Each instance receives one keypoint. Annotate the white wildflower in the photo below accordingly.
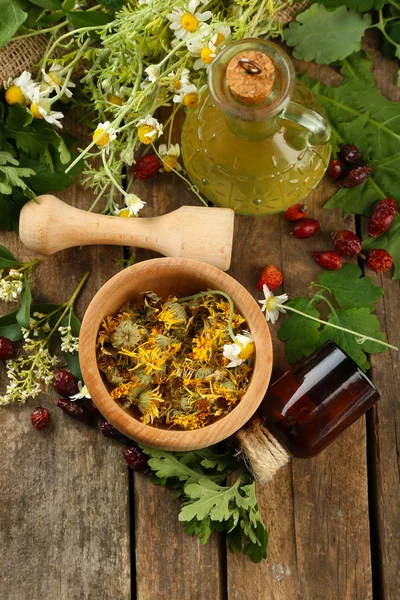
(238, 353)
(69, 343)
(134, 204)
(272, 305)
(185, 21)
(55, 80)
(83, 392)
(169, 156)
(103, 135)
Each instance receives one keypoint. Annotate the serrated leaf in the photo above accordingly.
(326, 36)
(18, 116)
(10, 328)
(300, 334)
(12, 17)
(350, 288)
(7, 259)
(209, 500)
(24, 312)
(389, 241)
(361, 321)
(360, 5)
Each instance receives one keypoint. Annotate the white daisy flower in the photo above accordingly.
(134, 204)
(169, 156)
(55, 80)
(149, 129)
(185, 21)
(43, 111)
(180, 79)
(104, 135)
(188, 95)
(83, 392)
(153, 71)
(206, 47)
(272, 305)
(239, 353)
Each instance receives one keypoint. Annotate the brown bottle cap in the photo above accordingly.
(250, 76)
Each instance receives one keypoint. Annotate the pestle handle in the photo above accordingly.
(49, 225)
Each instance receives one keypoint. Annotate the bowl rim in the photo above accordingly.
(174, 439)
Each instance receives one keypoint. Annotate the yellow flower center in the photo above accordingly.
(247, 351)
(124, 213)
(147, 134)
(101, 137)
(117, 100)
(190, 100)
(271, 303)
(177, 84)
(169, 162)
(219, 39)
(189, 22)
(205, 55)
(14, 95)
(35, 111)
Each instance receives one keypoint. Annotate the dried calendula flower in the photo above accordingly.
(167, 360)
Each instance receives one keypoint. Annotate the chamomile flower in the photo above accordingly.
(18, 90)
(187, 95)
(272, 305)
(169, 156)
(153, 71)
(180, 79)
(42, 110)
(206, 47)
(55, 80)
(149, 129)
(83, 392)
(239, 353)
(185, 21)
(134, 204)
(104, 135)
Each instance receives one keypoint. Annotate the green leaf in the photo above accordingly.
(112, 5)
(389, 241)
(300, 334)
(88, 18)
(361, 321)
(37, 142)
(360, 5)
(7, 259)
(50, 4)
(72, 359)
(18, 116)
(12, 17)
(350, 288)
(45, 180)
(326, 36)
(24, 312)
(10, 328)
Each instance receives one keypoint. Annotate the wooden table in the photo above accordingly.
(76, 524)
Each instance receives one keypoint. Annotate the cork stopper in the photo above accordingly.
(250, 76)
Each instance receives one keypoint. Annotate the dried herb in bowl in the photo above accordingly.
(178, 361)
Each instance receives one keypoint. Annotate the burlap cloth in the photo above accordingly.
(23, 54)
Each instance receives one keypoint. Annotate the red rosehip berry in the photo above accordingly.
(382, 217)
(92, 408)
(356, 176)
(379, 261)
(305, 228)
(147, 166)
(295, 212)
(65, 384)
(7, 349)
(109, 431)
(347, 243)
(350, 154)
(40, 418)
(135, 458)
(332, 261)
(75, 410)
(271, 277)
(335, 169)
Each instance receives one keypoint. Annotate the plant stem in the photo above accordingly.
(231, 308)
(355, 333)
(76, 293)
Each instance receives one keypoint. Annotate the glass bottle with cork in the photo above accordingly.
(257, 142)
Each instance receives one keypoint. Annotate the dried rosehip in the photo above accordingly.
(295, 212)
(135, 458)
(335, 169)
(356, 176)
(40, 418)
(109, 431)
(65, 384)
(350, 154)
(305, 228)
(147, 166)
(75, 410)
(382, 217)
(347, 243)
(92, 408)
(328, 260)
(7, 349)
(379, 261)
(271, 277)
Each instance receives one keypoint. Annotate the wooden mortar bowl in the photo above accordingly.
(180, 277)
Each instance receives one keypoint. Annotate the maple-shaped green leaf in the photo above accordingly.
(350, 288)
(326, 35)
(360, 5)
(361, 321)
(300, 334)
(389, 241)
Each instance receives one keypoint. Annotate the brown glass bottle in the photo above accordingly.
(317, 399)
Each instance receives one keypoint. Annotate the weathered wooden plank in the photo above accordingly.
(316, 510)
(169, 563)
(64, 506)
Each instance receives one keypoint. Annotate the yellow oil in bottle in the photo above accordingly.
(252, 176)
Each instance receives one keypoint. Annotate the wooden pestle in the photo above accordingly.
(49, 225)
